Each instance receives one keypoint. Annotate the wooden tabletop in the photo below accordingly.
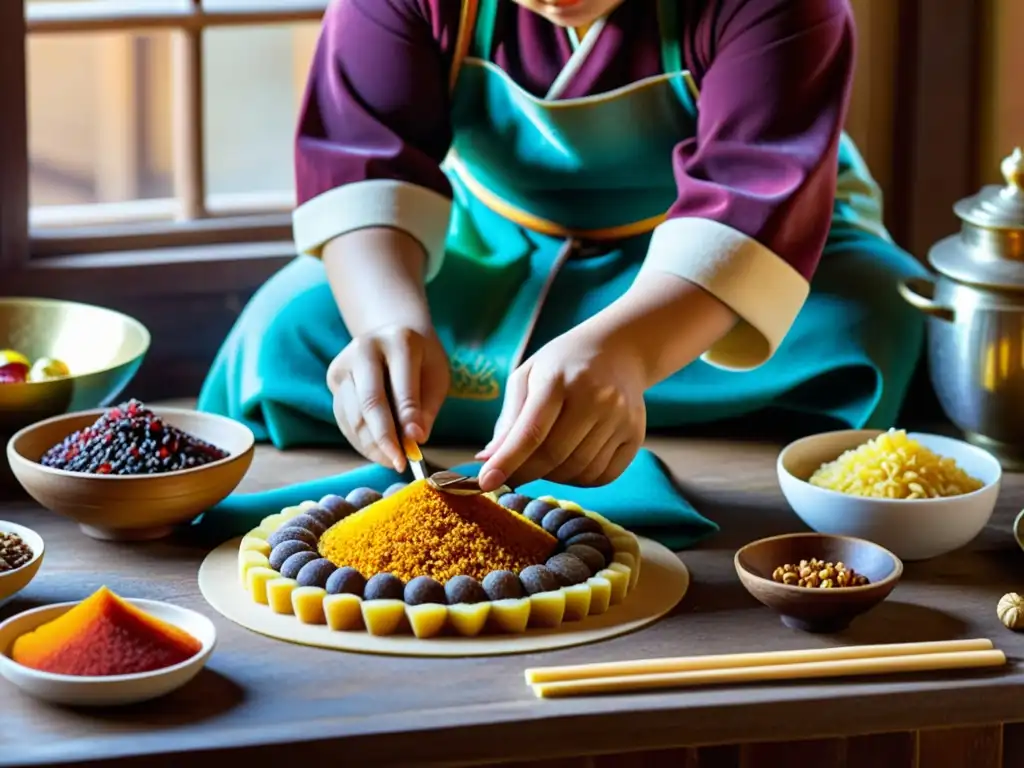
(273, 702)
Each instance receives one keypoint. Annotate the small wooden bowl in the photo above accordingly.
(12, 582)
(131, 508)
(817, 610)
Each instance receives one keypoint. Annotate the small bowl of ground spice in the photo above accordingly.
(817, 582)
(21, 555)
(131, 473)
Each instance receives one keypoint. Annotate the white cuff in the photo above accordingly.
(762, 289)
(413, 209)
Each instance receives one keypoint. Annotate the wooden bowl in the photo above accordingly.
(103, 349)
(817, 610)
(131, 508)
(12, 582)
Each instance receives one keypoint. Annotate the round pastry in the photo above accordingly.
(429, 561)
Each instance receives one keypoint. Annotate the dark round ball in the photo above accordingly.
(346, 581)
(393, 489)
(315, 573)
(309, 523)
(568, 569)
(537, 578)
(595, 560)
(465, 589)
(556, 518)
(598, 541)
(291, 567)
(282, 535)
(323, 516)
(423, 590)
(578, 525)
(384, 586)
(337, 506)
(536, 510)
(502, 585)
(363, 497)
(286, 549)
(514, 501)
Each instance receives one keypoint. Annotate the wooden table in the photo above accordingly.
(274, 704)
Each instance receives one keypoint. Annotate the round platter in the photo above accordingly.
(663, 582)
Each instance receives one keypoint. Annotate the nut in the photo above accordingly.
(14, 552)
(818, 574)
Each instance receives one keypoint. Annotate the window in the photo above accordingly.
(152, 124)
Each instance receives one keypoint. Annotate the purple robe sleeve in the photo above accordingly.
(374, 126)
(757, 183)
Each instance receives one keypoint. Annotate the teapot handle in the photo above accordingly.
(919, 292)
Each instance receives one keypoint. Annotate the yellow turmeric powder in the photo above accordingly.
(421, 531)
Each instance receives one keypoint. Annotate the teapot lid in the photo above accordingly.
(998, 207)
(989, 250)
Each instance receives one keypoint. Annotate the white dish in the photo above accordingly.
(913, 529)
(12, 582)
(115, 690)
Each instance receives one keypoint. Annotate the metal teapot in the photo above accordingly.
(975, 307)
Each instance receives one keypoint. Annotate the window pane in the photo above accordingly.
(1003, 127)
(254, 80)
(99, 123)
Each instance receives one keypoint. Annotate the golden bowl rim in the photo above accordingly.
(147, 337)
(232, 456)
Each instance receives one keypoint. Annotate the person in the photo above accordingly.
(549, 225)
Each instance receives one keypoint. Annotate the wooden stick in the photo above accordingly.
(888, 665)
(737, 660)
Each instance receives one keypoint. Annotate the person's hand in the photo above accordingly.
(573, 413)
(415, 366)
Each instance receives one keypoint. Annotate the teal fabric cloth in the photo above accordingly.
(644, 499)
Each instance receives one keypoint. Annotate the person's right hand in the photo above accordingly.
(415, 365)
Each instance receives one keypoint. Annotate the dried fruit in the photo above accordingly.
(465, 589)
(384, 586)
(282, 535)
(556, 518)
(537, 579)
(568, 569)
(578, 525)
(315, 573)
(130, 440)
(363, 497)
(14, 552)
(337, 506)
(346, 581)
(502, 585)
(514, 501)
(291, 567)
(325, 517)
(306, 522)
(818, 574)
(598, 541)
(593, 559)
(536, 510)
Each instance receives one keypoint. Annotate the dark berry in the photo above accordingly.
(465, 589)
(337, 506)
(346, 581)
(514, 501)
(323, 516)
(422, 590)
(537, 578)
(578, 525)
(307, 522)
(292, 534)
(315, 573)
(598, 541)
(556, 518)
(291, 567)
(286, 549)
(384, 586)
(502, 585)
(393, 489)
(130, 440)
(568, 569)
(536, 509)
(363, 497)
(594, 560)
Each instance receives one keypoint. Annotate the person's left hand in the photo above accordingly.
(573, 414)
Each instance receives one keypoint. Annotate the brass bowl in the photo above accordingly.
(132, 507)
(103, 349)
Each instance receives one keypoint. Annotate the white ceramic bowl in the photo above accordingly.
(12, 582)
(913, 529)
(116, 690)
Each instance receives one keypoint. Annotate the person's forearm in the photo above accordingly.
(376, 276)
(667, 322)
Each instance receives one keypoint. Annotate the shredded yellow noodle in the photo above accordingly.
(894, 466)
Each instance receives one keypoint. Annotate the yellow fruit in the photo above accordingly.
(8, 356)
(47, 368)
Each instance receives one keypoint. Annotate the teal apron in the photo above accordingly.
(525, 172)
